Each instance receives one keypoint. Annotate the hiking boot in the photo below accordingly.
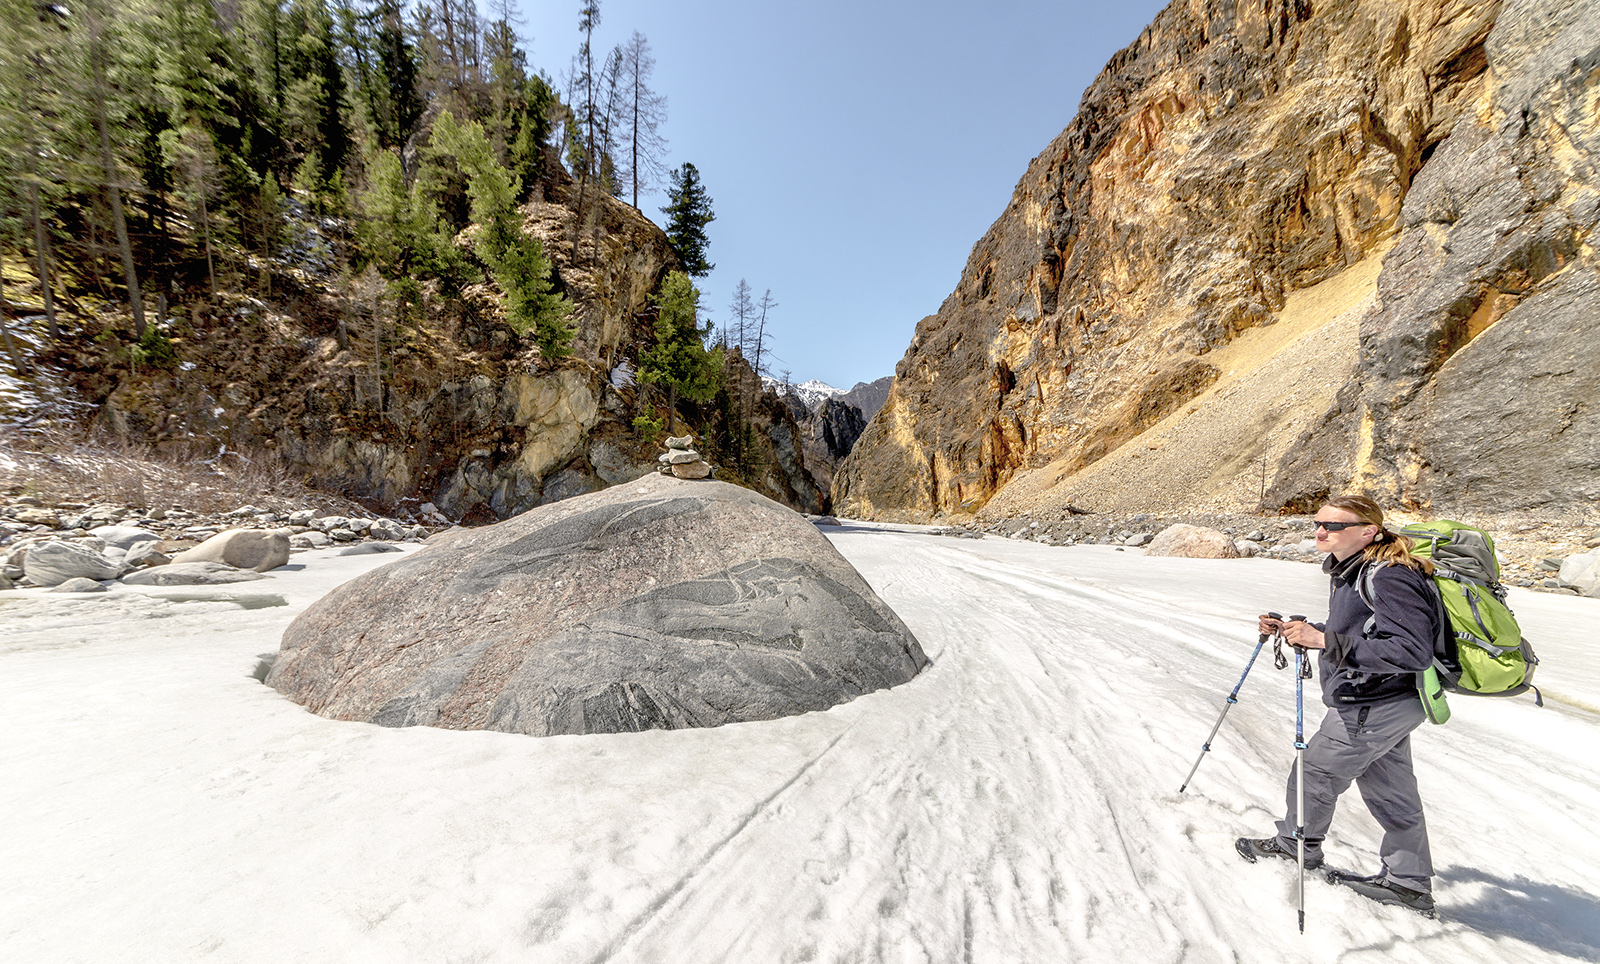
(1250, 848)
(1384, 891)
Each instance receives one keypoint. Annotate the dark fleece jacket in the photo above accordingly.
(1361, 666)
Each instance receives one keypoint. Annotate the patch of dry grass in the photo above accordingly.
(59, 465)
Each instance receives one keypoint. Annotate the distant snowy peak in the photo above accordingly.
(813, 393)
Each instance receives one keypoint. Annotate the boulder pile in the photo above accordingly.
(53, 545)
(660, 604)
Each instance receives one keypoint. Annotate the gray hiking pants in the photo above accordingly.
(1370, 745)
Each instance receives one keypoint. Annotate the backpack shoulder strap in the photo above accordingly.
(1364, 589)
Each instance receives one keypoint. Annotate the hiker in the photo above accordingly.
(1369, 659)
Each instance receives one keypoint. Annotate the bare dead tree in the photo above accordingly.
(645, 111)
(766, 304)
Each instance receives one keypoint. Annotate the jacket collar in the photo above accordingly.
(1344, 571)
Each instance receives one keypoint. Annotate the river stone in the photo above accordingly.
(53, 562)
(38, 517)
(258, 549)
(146, 554)
(368, 548)
(190, 574)
(1582, 572)
(693, 470)
(1192, 542)
(124, 537)
(659, 604)
(79, 584)
(387, 530)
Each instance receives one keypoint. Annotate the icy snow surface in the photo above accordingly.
(1017, 802)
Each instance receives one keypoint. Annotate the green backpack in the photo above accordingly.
(1480, 650)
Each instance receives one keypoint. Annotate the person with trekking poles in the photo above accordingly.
(1369, 659)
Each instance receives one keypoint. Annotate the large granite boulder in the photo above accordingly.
(1192, 542)
(663, 603)
(257, 549)
(53, 562)
(1582, 572)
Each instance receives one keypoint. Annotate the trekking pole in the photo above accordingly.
(1261, 640)
(1300, 769)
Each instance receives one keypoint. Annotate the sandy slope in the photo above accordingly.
(1016, 802)
(1207, 456)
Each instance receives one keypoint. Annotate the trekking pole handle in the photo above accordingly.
(1302, 668)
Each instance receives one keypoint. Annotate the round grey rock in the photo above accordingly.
(387, 530)
(123, 537)
(258, 549)
(1192, 542)
(1582, 572)
(368, 548)
(659, 604)
(53, 562)
(79, 584)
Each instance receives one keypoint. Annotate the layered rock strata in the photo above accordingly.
(1235, 154)
(1479, 371)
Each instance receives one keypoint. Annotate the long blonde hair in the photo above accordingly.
(1387, 546)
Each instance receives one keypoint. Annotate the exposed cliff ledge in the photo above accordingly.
(1232, 156)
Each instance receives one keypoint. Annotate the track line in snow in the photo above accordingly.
(634, 929)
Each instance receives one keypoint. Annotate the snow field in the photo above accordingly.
(1016, 802)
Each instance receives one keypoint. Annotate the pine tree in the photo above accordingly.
(26, 48)
(389, 89)
(679, 359)
(314, 121)
(99, 93)
(688, 212)
(514, 258)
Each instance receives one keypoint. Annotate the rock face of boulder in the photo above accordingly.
(257, 549)
(53, 563)
(123, 537)
(662, 603)
(1192, 542)
(1582, 572)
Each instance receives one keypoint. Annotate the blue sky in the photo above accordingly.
(854, 152)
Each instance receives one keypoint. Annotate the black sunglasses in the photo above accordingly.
(1333, 526)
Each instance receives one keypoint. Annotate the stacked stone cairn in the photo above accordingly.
(683, 461)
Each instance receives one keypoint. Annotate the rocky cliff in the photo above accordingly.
(448, 405)
(827, 432)
(1433, 160)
